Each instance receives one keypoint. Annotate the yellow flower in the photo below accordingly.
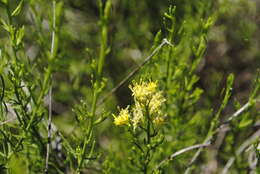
(144, 91)
(122, 118)
(146, 96)
(137, 115)
(156, 102)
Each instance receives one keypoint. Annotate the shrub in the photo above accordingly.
(67, 65)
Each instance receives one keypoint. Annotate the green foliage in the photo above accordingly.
(65, 66)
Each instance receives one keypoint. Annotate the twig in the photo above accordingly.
(3, 90)
(238, 112)
(132, 73)
(234, 115)
(7, 121)
(50, 92)
(195, 156)
(241, 148)
(181, 152)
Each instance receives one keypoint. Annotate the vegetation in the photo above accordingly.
(129, 86)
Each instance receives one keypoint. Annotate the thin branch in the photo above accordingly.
(233, 116)
(170, 158)
(50, 91)
(241, 148)
(238, 112)
(132, 73)
(3, 90)
(195, 156)
(7, 121)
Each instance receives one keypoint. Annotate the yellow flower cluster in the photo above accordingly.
(122, 118)
(156, 103)
(137, 115)
(144, 91)
(145, 95)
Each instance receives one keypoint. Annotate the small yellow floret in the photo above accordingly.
(156, 102)
(123, 117)
(143, 92)
(137, 115)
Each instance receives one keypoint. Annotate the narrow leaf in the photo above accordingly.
(18, 9)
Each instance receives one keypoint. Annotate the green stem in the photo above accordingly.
(83, 154)
(97, 85)
(145, 169)
(103, 49)
(148, 137)
(39, 100)
(148, 128)
(168, 61)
